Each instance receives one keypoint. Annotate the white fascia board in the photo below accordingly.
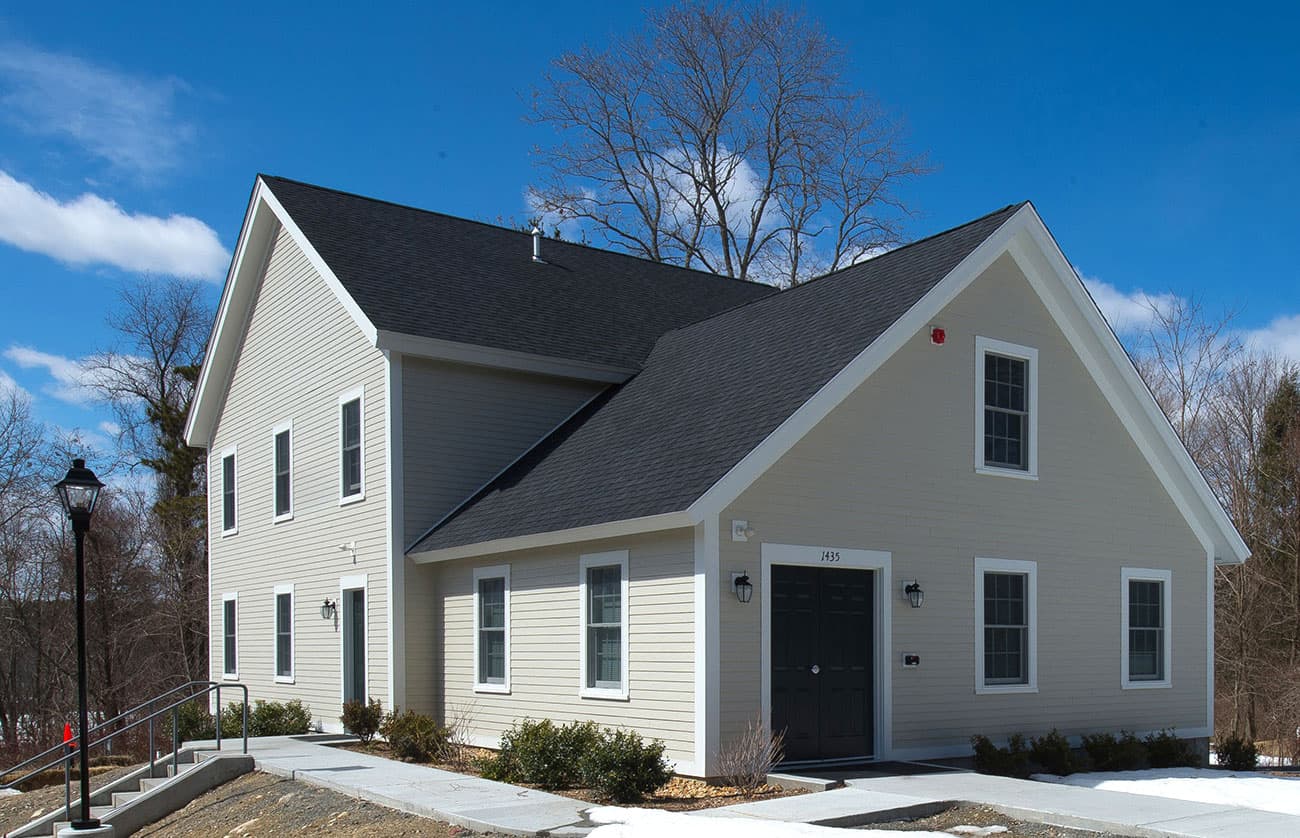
(592, 532)
(1128, 393)
(262, 221)
(855, 373)
(487, 356)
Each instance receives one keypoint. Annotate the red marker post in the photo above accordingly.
(69, 748)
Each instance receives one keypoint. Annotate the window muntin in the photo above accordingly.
(1006, 628)
(1147, 640)
(283, 635)
(603, 591)
(228, 521)
(229, 634)
(283, 473)
(1006, 412)
(350, 455)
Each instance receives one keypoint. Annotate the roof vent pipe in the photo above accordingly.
(537, 245)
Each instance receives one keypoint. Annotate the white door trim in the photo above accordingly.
(848, 559)
(352, 583)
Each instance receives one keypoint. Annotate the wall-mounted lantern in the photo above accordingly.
(743, 587)
(915, 595)
(328, 610)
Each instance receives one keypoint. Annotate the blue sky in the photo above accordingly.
(1161, 145)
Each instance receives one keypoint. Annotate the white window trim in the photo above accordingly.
(276, 430)
(618, 557)
(1145, 574)
(1030, 570)
(494, 572)
(230, 597)
(230, 451)
(293, 634)
(1028, 354)
(355, 394)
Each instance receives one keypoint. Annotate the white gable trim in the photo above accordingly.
(262, 222)
(611, 529)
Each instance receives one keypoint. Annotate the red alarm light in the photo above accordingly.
(938, 336)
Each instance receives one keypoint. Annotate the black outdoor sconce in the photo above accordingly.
(915, 595)
(328, 609)
(744, 588)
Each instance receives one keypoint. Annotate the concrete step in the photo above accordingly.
(120, 797)
(173, 770)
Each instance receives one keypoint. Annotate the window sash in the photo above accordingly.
(1006, 411)
(492, 656)
(228, 492)
(283, 502)
(351, 453)
(605, 627)
(230, 663)
(1146, 632)
(284, 635)
(1006, 628)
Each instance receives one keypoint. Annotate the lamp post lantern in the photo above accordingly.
(79, 490)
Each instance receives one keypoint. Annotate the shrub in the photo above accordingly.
(267, 718)
(414, 736)
(459, 721)
(193, 721)
(545, 755)
(1011, 761)
(232, 721)
(362, 719)
(1127, 753)
(624, 768)
(745, 761)
(1236, 753)
(1166, 750)
(1053, 753)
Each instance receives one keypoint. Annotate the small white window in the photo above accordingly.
(229, 522)
(492, 629)
(1147, 642)
(282, 469)
(352, 485)
(1006, 633)
(284, 634)
(603, 587)
(1006, 408)
(229, 636)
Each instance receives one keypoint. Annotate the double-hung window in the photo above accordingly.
(1006, 409)
(282, 461)
(603, 587)
(229, 523)
(351, 462)
(1006, 594)
(284, 634)
(492, 629)
(229, 634)
(1146, 641)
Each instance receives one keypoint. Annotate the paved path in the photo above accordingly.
(471, 802)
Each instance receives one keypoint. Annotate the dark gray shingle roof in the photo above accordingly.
(708, 394)
(424, 273)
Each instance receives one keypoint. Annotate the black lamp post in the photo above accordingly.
(78, 491)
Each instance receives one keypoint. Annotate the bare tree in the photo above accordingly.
(723, 137)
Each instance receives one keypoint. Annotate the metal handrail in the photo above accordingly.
(174, 707)
(96, 728)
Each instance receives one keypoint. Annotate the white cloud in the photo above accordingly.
(1280, 336)
(1126, 312)
(71, 378)
(126, 120)
(8, 386)
(110, 428)
(91, 230)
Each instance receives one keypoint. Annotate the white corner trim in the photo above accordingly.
(357, 394)
(1210, 570)
(395, 577)
(488, 356)
(230, 451)
(279, 590)
(586, 562)
(232, 596)
(1030, 570)
(277, 429)
(612, 529)
(501, 571)
(708, 705)
(1028, 354)
(848, 379)
(1145, 574)
(879, 561)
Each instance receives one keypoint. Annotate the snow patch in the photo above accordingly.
(1202, 785)
(617, 822)
(979, 831)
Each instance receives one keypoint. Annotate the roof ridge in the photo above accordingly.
(502, 227)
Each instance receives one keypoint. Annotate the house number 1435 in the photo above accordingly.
(830, 555)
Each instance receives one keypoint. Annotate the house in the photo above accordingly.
(488, 476)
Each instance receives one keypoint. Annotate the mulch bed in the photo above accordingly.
(986, 816)
(680, 794)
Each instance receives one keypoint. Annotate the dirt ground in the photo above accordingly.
(18, 809)
(258, 804)
(985, 816)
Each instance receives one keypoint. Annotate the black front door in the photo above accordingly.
(822, 661)
(354, 645)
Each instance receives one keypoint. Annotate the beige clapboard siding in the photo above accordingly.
(892, 469)
(463, 424)
(545, 637)
(301, 351)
